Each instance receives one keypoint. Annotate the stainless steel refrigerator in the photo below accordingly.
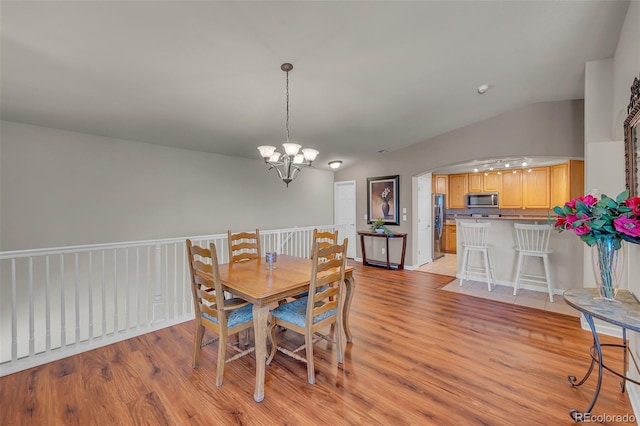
(438, 226)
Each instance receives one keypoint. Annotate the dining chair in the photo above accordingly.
(318, 310)
(244, 246)
(212, 311)
(324, 239)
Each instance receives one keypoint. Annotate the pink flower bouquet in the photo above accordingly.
(594, 219)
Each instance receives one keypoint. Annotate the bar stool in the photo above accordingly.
(533, 240)
(474, 239)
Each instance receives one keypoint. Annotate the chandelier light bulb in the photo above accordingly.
(291, 149)
(310, 154)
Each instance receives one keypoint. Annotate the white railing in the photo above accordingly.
(62, 301)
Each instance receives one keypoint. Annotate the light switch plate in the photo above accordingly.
(404, 217)
(404, 210)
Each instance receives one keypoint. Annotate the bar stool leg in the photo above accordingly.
(516, 285)
(493, 277)
(545, 260)
(487, 270)
(465, 260)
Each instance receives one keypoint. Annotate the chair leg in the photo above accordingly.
(545, 261)
(465, 259)
(271, 332)
(197, 344)
(516, 285)
(222, 354)
(338, 329)
(487, 270)
(308, 341)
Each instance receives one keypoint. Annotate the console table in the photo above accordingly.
(623, 312)
(388, 264)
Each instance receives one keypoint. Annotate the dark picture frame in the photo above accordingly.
(631, 129)
(383, 199)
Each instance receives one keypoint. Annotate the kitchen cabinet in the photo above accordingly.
(457, 190)
(511, 193)
(536, 188)
(440, 185)
(483, 182)
(475, 182)
(491, 182)
(567, 182)
(450, 239)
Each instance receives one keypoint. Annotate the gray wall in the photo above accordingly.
(62, 188)
(542, 129)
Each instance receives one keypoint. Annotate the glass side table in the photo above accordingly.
(624, 313)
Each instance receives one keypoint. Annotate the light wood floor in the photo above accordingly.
(420, 356)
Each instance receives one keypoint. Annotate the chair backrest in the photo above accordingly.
(206, 288)
(532, 237)
(244, 246)
(325, 288)
(324, 240)
(475, 234)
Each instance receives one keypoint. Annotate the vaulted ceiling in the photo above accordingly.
(367, 75)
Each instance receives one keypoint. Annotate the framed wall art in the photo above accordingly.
(631, 130)
(383, 199)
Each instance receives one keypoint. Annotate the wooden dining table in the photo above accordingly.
(254, 282)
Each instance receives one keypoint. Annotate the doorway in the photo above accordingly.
(344, 212)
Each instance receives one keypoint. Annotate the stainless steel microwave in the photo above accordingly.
(481, 199)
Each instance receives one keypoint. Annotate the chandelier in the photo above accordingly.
(288, 164)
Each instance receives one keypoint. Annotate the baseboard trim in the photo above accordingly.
(634, 398)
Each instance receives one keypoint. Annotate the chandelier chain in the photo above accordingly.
(287, 125)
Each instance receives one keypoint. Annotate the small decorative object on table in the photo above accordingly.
(271, 257)
(378, 226)
(603, 222)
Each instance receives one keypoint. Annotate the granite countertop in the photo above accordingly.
(452, 220)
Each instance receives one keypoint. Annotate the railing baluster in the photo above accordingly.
(31, 310)
(127, 302)
(103, 289)
(47, 301)
(77, 290)
(63, 316)
(175, 280)
(116, 328)
(147, 292)
(138, 285)
(14, 314)
(90, 284)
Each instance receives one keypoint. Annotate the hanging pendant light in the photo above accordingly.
(289, 163)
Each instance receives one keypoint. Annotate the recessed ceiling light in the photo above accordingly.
(524, 164)
(475, 170)
(335, 164)
(507, 165)
(382, 151)
(482, 89)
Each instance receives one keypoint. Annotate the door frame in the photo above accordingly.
(350, 233)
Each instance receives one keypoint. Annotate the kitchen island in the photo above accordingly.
(566, 261)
